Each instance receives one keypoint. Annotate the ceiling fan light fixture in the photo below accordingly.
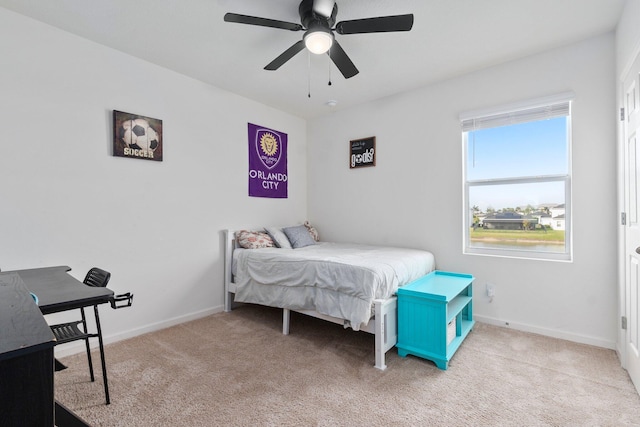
(318, 41)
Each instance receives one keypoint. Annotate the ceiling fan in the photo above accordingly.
(317, 19)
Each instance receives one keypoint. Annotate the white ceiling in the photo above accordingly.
(449, 38)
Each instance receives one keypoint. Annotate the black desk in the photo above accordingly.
(26, 358)
(58, 291)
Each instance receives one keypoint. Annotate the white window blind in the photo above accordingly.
(540, 109)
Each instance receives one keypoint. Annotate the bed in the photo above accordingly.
(349, 284)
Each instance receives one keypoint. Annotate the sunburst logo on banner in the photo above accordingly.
(269, 144)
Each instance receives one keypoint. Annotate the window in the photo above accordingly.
(517, 180)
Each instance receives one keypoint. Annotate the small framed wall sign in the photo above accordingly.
(362, 152)
(136, 136)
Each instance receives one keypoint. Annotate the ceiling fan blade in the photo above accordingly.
(342, 61)
(263, 22)
(285, 56)
(323, 7)
(381, 24)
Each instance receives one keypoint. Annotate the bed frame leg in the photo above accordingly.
(286, 316)
(380, 340)
(228, 276)
(386, 330)
(227, 301)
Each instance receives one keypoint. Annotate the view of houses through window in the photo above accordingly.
(529, 228)
(517, 183)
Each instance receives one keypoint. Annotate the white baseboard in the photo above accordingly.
(582, 339)
(78, 346)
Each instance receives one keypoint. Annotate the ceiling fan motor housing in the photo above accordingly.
(311, 20)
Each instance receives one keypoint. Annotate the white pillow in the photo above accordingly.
(278, 237)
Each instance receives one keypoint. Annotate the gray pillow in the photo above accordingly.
(278, 237)
(299, 236)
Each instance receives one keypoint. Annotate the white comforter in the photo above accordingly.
(339, 280)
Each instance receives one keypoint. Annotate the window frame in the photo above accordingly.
(515, 110)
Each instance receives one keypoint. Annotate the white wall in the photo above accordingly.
(157, 226)
(413, 196)
(627, 36)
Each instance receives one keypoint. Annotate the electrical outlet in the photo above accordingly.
(491, 290)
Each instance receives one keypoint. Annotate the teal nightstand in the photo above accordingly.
(435, 314)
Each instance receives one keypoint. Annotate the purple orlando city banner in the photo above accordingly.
(267, 162)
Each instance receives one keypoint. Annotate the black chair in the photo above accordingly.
(68, 332)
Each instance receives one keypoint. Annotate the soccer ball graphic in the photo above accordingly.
(138, 134)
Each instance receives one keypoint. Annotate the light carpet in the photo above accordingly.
(238, 369)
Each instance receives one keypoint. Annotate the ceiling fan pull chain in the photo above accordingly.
(309, 74)
(329, 62)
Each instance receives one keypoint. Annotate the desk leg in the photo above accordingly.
(104, 364)
(66, 418)
(58, 365)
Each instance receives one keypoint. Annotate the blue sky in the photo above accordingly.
(526, 149)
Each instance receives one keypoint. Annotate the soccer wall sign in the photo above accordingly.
(136, 136)
(267, 162)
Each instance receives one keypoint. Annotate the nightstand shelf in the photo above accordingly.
(435, 314)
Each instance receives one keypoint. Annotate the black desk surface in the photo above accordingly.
(58, 291)
(22, 328)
